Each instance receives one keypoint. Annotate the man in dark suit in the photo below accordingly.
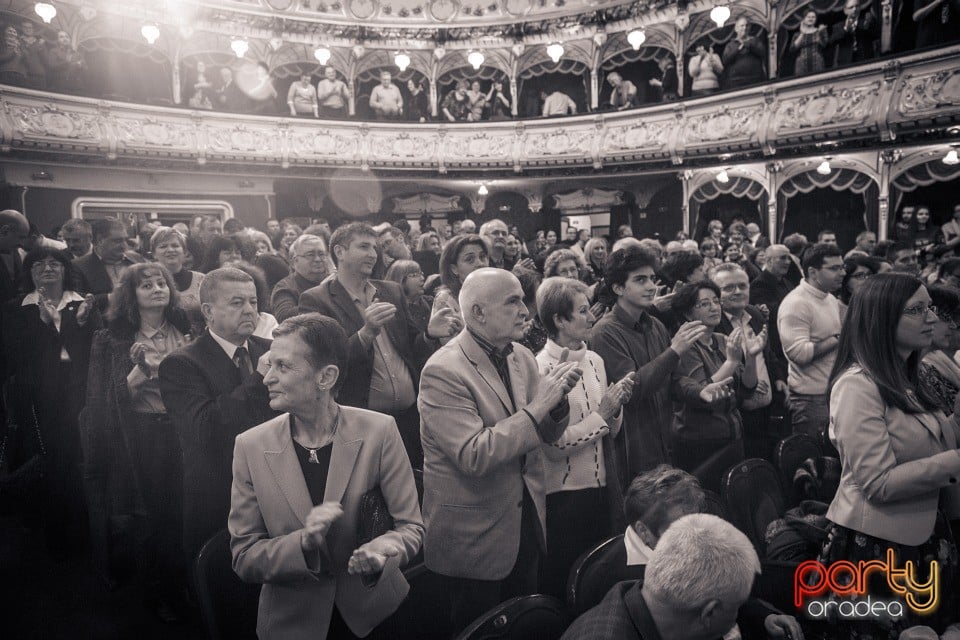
(101, 269)
(769, 289)
(385, 349)
(308, 268)
(696, 581)
(213, 390)
(13, 233)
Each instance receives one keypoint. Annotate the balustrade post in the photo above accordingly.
(888, 158)
(514, 98)
(352, 98)
(685, 179)
(772, 66)
(176, 77)
(433, 98)
(681, 66)
(772, 169)
(594, 89)
(886, 26)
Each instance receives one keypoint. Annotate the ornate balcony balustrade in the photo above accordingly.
(872, 104)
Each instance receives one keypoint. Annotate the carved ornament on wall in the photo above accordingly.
(635, 137)
(829, 106)
(725, 124)
(929, 91)
(50, 122)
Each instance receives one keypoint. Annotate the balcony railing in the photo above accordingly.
(873, 103)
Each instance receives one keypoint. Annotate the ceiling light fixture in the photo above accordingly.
(358, 51)
(439, 52)
(555, 51)
(239, 47)
(482, 190)
(150, 32)
(723, 177)
(476, 58)
(636, 38)
(951, 158)
(402, 61)
(46, 11)
(824, 169)
(322, 54)
(720, 14)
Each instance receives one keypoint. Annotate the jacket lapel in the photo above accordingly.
(222, 370)
(344, 302)
(484, 367)
(346, 448)
(517, 380)
(283, 463)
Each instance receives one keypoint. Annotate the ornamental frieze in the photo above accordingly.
(921, 94)
(827, 107)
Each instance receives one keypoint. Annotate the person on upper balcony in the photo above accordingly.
(228, 96)
(263, 93)
(855, 38)
(302, 97)
(332, 95)
(477, 100)
(624, 94)
(557, 104)
(938, 21)
(744, 58)
(456, 104)
(386, 102)
(808, 44)
(705, 69)
(498, 102)
(668, 82)
(198, 88)
(64, 65)
(419, 110)
(13, 66)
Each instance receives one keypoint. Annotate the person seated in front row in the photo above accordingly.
(697, 579)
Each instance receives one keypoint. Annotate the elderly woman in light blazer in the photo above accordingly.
(298, 482)
(898, 452)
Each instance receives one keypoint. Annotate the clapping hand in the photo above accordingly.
(526, 263)
(559, 380)
(319, 521)
(782, 626)
(756, 344)
(138, 355)
(765, 311)
(48, 311)
(616, 395)
(735, 348)
(445, 322)
(83, 311)
(716, 391)
(366, 560)
(686, 335)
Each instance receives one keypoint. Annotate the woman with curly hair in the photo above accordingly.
(132, 463)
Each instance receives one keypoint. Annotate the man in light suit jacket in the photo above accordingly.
(483, 409)
(213, 390)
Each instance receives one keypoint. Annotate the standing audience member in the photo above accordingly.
(668, 82)
(696, 580)
(808, 45)
(856, 269)
(101, 268)
(477, 101)
(299, 481)
(898, 453)
(221, 251)
(809, 326)
(629, 339)
(623, 94)
(705, 68)
(484, 409)
(499, 102)
(308, 268)
(866, 242)
(409, 276)
(950, 233)
(13, 234)
(563, 263)
(125, 411)
(290, 233)
(332, 94)
(855, 38)
(266, 323)
(169, 248)
(419, 110)
(462, 255)
(64, 65)
(513, 252)
(903, 257)
(456, 106)
(595, 253)
(393, 246)
(78, 234)
(558, 104)
(939, 372)
(578, 500)
(385, 350)
(744, 58)
(302, 97)
(212, 390)
(46, 346)
(386, 102)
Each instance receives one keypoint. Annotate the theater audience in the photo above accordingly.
(668, 83)
(808, 45)
(484, 408)
(266, 322)
(744, 58)
(308, 268)
(393, 246)
(290, 233)
(13, 233)
(856, 269)
(808, 322)
(866, 242)
(595, 254)
(101, 269)
(623, 94)
(78, 235)
(705, 68)
(939, 372)
(385, 349)
(898, 453)
(409, 276)
(46, 345)
(462, 255)
(332, 94)
(213, 389)
(168, 248)
(386, 102)
(64, 65)
(302, 97)
(133, 453)
(298, 484)
(563, 263)
(221, 251)
(419, 110)
(494, 233)
(512, 252)
(855, 37)
(578, 502)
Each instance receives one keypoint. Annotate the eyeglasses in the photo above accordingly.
(863, 275)
(42, 266)
(415, 274)
(313, 255)
(706, 304)
(921, 309)
(736, 286)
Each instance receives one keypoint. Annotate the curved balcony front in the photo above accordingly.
(915, 99)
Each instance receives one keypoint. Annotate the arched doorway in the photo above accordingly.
(739, 198)
(844, 201)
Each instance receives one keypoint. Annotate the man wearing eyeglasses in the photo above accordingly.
(809, 324)
(309, 265)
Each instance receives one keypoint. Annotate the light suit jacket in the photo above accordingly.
(475, 446)
(270, 503)
(895, 466)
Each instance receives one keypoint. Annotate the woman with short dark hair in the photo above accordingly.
(461, 256)
(222, 251)
(409, 275)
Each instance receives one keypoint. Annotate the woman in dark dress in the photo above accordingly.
(47, 335)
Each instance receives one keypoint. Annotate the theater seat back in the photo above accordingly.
(227, 603)
(536, 617)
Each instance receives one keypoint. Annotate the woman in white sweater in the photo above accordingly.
(576, 471)
(705, 69)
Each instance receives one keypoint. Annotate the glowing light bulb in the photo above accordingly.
(824, 169)
(951, 158)
(636, 38)
(720, 14)
(402, 61)
(475, 59)
(555, 51)
(322, 54)
(150, 32)
(723, 177)
(240, 47)
(46, 11)
(482, 190)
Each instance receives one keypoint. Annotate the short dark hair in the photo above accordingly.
(679, 266)
(72, 280)
(824, 232)
(946, 300)
(620, 264)
(950, 266)
(893, 249)
(345, 234)
(796, 243)
(79, 225)
(233, 225)
(652, 492)
(815, 255)
(850, 265)
(685, 297)
(211, 257)
(450, 255)
(325, 340)
(103, 227)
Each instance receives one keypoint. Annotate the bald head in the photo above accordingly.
(491, 301)
(13, 229)
(778, 260)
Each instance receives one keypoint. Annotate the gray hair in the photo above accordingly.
(302, 240)
(652, 245)
(725, 267)
(555, 298)
(701, 558)
(554, 259)
(212, 281)
(79, 225)
(625, 243)
(652, 492)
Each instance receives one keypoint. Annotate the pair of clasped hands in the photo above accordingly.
(444, 323)
(563, 376)
(367, 559)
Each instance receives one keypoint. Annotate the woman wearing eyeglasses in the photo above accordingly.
(409, 276)
(897, 450)
(856, 269)
(709, 437)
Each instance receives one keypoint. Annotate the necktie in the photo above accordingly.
(241, 358)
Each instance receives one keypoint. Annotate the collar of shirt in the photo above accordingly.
(637, 551)
(743, 321)
(813, 291)
(489, 348)
(150, 333)
(640, 324)
(363, 297)
(229, 348)
(68, 297)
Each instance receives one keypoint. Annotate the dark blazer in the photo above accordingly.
(776, 366)
(285, 299)
(210, 402)
(766, 289)
(622, 615)
(331, 299)
(10, 282)
(96, 280)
